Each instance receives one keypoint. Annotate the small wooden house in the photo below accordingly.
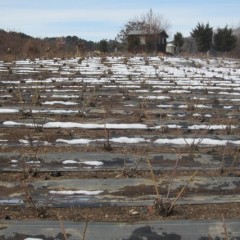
(142, 40)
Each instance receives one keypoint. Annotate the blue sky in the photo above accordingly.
(103, 19)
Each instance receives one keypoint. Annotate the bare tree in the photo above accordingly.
(151, 23)
(155, 22)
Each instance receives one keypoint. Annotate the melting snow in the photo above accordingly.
(6, 110)
(93, 163)
(14, 161)
(59, 102)
(69, 162)
(94, 125)
(154, 97)
(214, 127)
(72, 192)
(164, 106)
(127, 140)
(33, 238)
(110, 126)
(27, 142)
(196, 105)
(74, 141)
(189, 141)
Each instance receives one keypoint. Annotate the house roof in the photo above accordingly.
(145, 32)
(170, 45)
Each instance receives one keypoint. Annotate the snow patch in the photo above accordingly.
(78, 192)
(93, 163)
(59, 102)
(127, 140)
(33, 238)
(74, 141)
(69, 162)
(6, 110)
(196, 141)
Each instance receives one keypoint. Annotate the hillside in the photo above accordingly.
(24, 46)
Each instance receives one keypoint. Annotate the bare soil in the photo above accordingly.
(122, 214)
(111, 105)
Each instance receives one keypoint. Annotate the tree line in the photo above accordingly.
(222, 40)
(17, 45)
(202, 39)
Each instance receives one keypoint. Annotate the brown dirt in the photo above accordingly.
(18, 176)
(115, 213)
(120, 214)
(149, 115)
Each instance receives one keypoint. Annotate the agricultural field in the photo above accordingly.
(91, 143)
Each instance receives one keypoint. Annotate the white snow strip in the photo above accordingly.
(12, 123)
(164, 106)
(6, 96)
(130, 105)
(139, 91)
(127, 140)
(154, 97)
(179, 91)
(23, 141)
(116, 140)
(196, 105)
(94, 125)
(55, 111)
(6, 110)
(72, 192)
(34, 162)
(64, 96)
(74, 141)
(229, 93)
(197, 115)
(59, 102)
(69, 162)
(196, 98)
(81, 125)
(14, 161)
(168, 126)
(33, 238)
(214, 127)
(196, 141)
(172, 126)
(93, 163)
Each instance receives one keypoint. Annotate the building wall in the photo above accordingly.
(170, 49)
(142, 43)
